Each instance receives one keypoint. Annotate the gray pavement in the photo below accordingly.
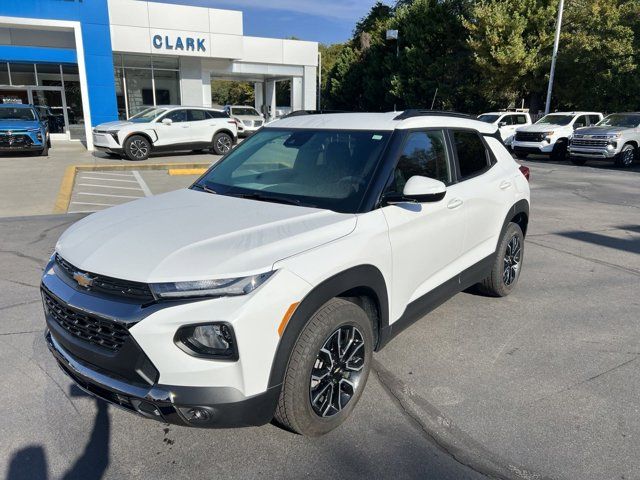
(541, 384)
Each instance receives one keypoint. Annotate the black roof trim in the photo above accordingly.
(416, 112)
(298, 113)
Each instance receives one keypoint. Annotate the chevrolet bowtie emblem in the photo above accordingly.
(83, 279)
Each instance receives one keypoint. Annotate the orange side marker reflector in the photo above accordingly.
(287, 317)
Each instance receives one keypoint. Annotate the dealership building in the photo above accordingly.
(94, 61)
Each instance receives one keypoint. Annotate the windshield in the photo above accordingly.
(554, 119)
(328, 169)
(246, 111)
(17, 113)
(147, 115)
(620, 120)
(487, 118)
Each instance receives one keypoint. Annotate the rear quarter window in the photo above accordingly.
(472, 155)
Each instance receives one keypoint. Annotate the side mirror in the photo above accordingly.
(419, 190)
(167, 121)
(502, 124)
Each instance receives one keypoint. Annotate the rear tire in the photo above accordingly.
(137, 147)
(327, 369)
(626, 156)
(507, 265)
(578, 161)
(222, 143)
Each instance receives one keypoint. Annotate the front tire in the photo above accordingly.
(626, 156)
(222, 143)
(327, 369)
(45, 151)
(559, 153)
(507, 265)
(137, 147)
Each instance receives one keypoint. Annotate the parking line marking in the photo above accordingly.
(186, 171)
(108, 179)
(109, 173)
(108, 186)
(142, 183)
(96, 204)
(108, 195)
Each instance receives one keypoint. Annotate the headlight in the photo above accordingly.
(549, 134)
(612, 136)
(211, 340)
(210, 288)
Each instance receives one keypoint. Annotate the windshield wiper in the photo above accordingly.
(266, 198)
(205, 188)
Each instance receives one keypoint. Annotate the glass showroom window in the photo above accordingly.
(142, 82)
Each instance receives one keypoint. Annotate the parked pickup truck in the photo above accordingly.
(507, 122)
(616, 138)
(550, 135)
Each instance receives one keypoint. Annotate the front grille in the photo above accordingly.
(583, 142)
(108, 285)
(14, 140)
(97, 331)
(257, 123)
(529, 137)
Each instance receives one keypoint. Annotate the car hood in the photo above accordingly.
(252, 118)
(541, 128)
(115, 125)
(599, 130)
(18, 124)
(192, 235)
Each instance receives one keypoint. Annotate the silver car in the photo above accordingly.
(616, 137)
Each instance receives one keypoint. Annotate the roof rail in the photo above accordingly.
(298, 113)
(416, 112)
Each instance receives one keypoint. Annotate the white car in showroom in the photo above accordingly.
(507, 122)
(167, 128)
(263, 290)
(550, 135)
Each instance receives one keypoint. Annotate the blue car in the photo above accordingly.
(22, 130)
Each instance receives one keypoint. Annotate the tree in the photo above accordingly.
(511, 43)
(225, 92)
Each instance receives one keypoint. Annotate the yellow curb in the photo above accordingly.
(66, 187)
(186, 171)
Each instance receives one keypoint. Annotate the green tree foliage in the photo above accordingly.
(225, 92)
(483, 54)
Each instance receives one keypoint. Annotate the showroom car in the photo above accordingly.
(167, 129)
(263, 290)
(22, 130)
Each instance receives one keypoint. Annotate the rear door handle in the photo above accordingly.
(454, 203)
(504, 185)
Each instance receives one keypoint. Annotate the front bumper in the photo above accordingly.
(23, 141)
(212, 407)
(584, 152)
(106, 142)
(540, 148)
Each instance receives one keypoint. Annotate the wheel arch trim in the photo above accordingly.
(359, 277)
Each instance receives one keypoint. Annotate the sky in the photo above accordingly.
(325, 21)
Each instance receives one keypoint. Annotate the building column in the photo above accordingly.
(206, 88)
(296, 94)
(270, 100)
(258, 93)
(309, 89)
(191, 77)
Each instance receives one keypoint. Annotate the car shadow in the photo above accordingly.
(30, 463)
(631, 245)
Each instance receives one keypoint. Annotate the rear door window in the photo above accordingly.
(197, 115)
(472, 155)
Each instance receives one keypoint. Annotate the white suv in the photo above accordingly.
(167, 128)
(263, 290)
(550, 135)
(507, 122)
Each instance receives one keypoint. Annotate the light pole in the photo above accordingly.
(556, 44)
(393, 35)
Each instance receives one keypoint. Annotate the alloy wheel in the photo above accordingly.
(627, 156)
(335, 375)
(224, 144)
(512, 258)
(139, 149)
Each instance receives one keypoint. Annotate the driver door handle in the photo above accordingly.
(454, 203)
(504, 185)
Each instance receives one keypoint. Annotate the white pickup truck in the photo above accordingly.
(507, 122)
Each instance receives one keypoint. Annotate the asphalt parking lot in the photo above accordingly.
(541, 384)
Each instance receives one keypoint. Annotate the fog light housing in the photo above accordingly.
(612, 145)
(212, 340)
